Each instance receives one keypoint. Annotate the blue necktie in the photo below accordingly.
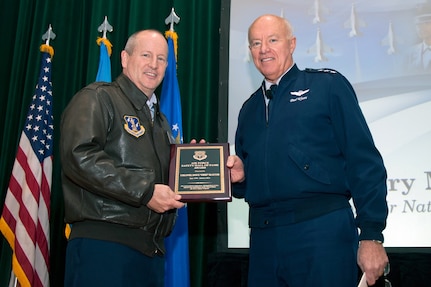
(152, 112)
(151, 107)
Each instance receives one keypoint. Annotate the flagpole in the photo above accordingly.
(177, 270)
(13, 280)
(104, 70)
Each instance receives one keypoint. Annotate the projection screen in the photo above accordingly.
(371, 43)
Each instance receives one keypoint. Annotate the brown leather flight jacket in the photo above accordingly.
(112, 155)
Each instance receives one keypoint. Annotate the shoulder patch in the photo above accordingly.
(323, 70)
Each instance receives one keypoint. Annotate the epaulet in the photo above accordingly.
(323, 70)
(98, 85)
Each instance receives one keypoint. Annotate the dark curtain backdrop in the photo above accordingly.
(75, 63)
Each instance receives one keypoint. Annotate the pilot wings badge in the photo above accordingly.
(299, 95)
(133, 127)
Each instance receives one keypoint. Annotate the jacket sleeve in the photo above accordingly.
(84, 131)
(366, 174)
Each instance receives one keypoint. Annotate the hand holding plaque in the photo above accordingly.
(198, 172)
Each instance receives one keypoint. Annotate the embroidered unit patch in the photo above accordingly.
(133, 127)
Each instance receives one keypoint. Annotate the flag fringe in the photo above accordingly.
(7, 232)
(174, 36)
(48, 49)
(16, 267)
(105, 41)
(67, 231)
(19, 272)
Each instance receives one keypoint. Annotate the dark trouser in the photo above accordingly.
(95, 263)
(317, 252)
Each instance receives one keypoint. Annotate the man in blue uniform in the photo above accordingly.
(303, 150)
(420, 54)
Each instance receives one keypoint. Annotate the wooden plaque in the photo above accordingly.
(198, 172)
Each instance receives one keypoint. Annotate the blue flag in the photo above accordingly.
(104, 72)
(177, 270)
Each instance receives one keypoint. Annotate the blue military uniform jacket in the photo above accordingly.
(312, 155)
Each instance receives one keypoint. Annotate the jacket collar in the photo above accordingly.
(135, 95)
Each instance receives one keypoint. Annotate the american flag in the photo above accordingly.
(25, 217)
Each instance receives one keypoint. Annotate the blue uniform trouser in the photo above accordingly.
(317, 252)
(93, 263)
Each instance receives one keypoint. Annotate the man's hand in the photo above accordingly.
(164, 199)
(234, 163)
(193, 141)
(372, 259)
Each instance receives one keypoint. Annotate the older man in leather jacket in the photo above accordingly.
(115, 161)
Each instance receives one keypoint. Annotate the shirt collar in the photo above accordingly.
(425, 47)
(153, 100)
(268, 84)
